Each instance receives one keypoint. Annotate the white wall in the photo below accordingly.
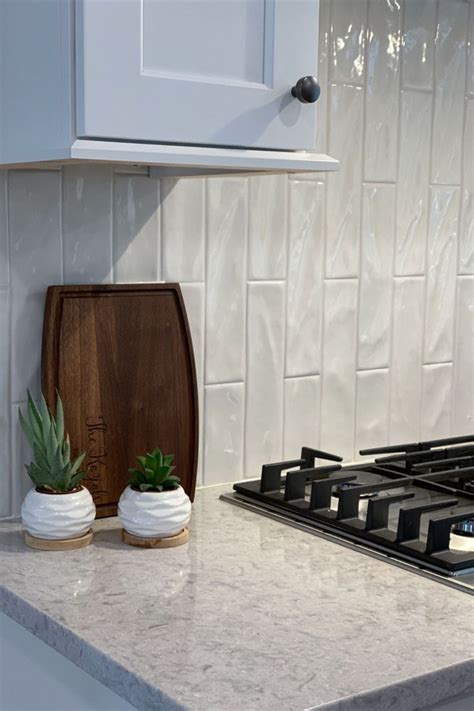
(331, 310)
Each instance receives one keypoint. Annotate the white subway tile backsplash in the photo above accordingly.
(305, 278)
(265, 363)
(302, 409)
(226, 279)
(344, 187)
(268, 223)
(463, 390)
(470, 56)
(382, 91)
(136, 229)
(224, 426)
(376, 275)
(450, 81)
(324, 51)
(183, 222)
(441, 274)
(372, 413)
(407, 349)
(3, 228)
(87, 224)
(35, 263)
(412, 194)
(21, 455)
(348, 39)
(418, 44)
(339, 366)
(436, 404)
(5, 469)
(466, 237)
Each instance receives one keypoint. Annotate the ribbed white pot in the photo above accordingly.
(154, 514)
(58, 516)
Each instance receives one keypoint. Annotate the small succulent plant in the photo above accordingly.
(52, 469)
(154, 473)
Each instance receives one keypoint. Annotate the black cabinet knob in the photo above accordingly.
(306, 90)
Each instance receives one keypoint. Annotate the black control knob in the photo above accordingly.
(306, 90)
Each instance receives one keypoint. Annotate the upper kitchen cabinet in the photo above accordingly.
(187, 86)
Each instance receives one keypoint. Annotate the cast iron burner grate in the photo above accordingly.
(406, 504)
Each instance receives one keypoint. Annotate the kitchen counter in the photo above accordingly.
(251, 615)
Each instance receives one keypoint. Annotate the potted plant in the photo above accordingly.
(57, 508)
(154, 505)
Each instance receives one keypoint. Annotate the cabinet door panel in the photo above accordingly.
(210, 72)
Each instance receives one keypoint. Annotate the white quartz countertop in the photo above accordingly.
(250, 615)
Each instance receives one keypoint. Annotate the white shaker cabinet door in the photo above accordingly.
(209, 72)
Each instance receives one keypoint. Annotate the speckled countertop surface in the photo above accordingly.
(251, 615)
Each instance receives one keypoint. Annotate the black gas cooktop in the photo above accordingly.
(414, 504)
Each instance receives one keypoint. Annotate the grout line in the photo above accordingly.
(205, 198)
(160, 233)
(265, 281)
(303, 376)
(285, 315)
(437, 362)
(246, 337)
(61, 225)
(111, 227)
(9, 444)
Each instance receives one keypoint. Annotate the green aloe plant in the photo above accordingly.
(52, 469)
(154, 473)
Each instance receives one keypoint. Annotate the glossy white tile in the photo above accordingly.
(466, 236)
(225, 279)
(418, 44)
(463, 390)
(224, 426)
(470, 56)
(35, 263)
(3, 228)
(302, 409)
(339, 366)
(87, 224)
(348, 39)
(450, 82)
(412, 194)
(136, 228)
(184, 229)
(344, 187)
(382, 91)
(268, 225)
(376, 275)
(441, 274)
(20, 455)
(305, 278)
(407, 352)
(265, 364)
(372, 413)
(436, 402)
(5, 468)
(324, 51)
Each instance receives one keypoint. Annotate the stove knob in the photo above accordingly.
(306, 90)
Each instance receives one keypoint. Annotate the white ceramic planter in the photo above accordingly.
(58, 516)
(154, 514)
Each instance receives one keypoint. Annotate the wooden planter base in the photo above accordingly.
(70, 544)
(141, 542)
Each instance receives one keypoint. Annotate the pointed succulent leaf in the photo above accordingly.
(66, 449)
(142, 461)
(27, 428)
(146, 487)
(77, 463)
(168, 459)
(59, 418)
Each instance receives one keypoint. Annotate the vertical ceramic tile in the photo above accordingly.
(3, 228)
(264, 392)
(450, 81)
(21, 455)
(418, 44)
(412, 198)
(193, 295)
(382, 91)
(344, 187)
(268, 199)
(376, 269)
(407, 348)
(87, 224)
(323, 69)
(301, 421)
(339, 365)
(372, 412)
(348, 39)
(225, 279)
(466, 237)
(5, 468)
(463, 389)
(441, 274)
(35, 263)
(224, 427)
(470, 56)
(136, 228)
(436, 402)
(305, 278)
(183, 229)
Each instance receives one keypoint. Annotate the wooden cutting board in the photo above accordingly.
(121, 357)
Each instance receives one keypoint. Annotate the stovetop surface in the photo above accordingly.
(414, 504)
